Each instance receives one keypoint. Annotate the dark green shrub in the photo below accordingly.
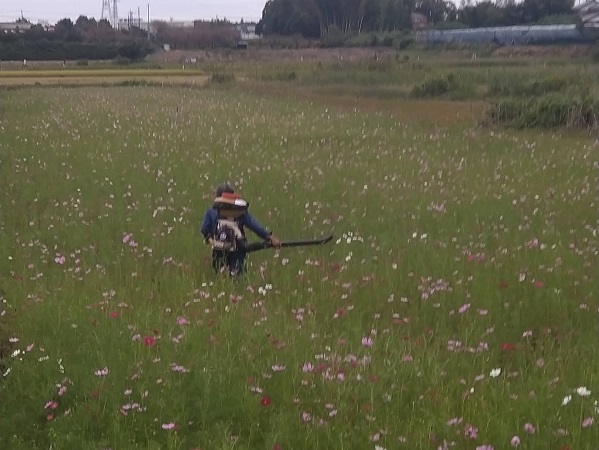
(279, 76)
(405, 43)
(548, 111)
(518, 88)
(222, 77)
(435, 86)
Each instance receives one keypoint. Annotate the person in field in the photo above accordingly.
(223, 229)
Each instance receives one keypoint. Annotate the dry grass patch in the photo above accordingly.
(198, 80)
(97, 73)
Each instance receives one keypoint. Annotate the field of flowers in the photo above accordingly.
(456, 308)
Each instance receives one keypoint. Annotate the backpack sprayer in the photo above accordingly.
(230, 207)
(255, 246)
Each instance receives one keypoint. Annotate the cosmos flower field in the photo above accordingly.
(456, 308)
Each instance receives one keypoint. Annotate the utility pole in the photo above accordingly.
(115, 14)
(138, 18)
(148, 21)
(106, 10)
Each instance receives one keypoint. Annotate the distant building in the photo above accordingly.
(515, 35)
(419, 21)
(247, 31)
(14, 27)
(588, 13)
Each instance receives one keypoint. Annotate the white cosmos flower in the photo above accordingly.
(583, 391)
(495, 373)
(567, 399)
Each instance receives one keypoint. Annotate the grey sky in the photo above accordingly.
(53, 10)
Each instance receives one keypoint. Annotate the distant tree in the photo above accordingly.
(315, 18)
(435, 10)
(103, 23)
(83, 23)
(35, 32)
(65, 30)
(534, 10)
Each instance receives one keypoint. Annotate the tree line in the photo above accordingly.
(316, 18)
(82, 40)
(88, 39)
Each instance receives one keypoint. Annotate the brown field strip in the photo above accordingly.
(428, 112)
(197, 80)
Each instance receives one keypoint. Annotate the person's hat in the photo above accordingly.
(222, 188)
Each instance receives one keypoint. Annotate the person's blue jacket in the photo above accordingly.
(246, 220)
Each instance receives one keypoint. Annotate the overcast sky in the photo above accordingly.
(53, 10)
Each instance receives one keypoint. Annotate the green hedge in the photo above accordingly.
(548, 111)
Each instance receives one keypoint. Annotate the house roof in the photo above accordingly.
(591, 17)
(15, 25)
(589, 6)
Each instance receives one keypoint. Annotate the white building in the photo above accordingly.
(588, 13)
(247, 31)
(14, 27)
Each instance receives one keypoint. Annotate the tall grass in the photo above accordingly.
(456, 308)
(548, 111)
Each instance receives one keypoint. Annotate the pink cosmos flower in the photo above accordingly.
(60, 259)
(307, 367)
(367, 341)
(515, 442)
(464, 308)
(471, 432)
(587, 422)
(529, 428)
(51, 405)
(182, 321)
(169, 426)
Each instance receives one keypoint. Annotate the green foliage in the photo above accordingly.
(559, 19)
(222, 77)
(317, 18)
(455, 25)
(279, 76)
(595, 52)
(314, 18)
(435, 86)
(334, 37)
(547, 111)
(84, 40)
(504, 87)
(391, 39)
(405, 42)
(57, 50)
(134, 50)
